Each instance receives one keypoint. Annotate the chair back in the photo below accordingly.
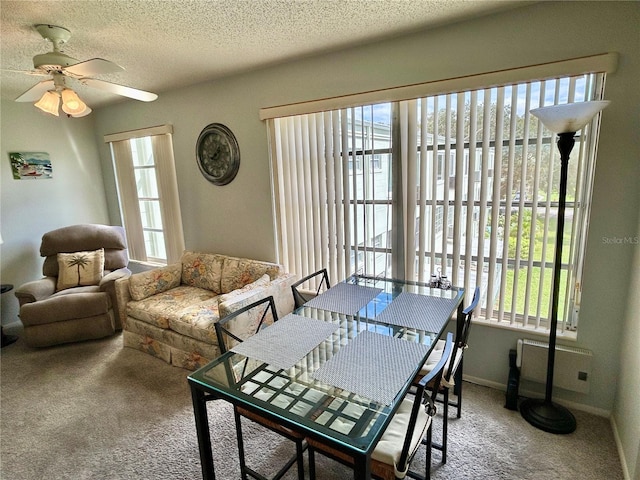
(85, 237)
(462, 336)
(301, 297)
(230, 332)
(424, 398)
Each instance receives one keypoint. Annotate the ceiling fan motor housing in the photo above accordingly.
(53, 61)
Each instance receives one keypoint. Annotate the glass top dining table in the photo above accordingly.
(336, 369)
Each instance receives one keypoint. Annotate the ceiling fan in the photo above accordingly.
(59, 67)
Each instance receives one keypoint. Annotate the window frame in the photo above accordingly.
(440, 205)
(160, 145)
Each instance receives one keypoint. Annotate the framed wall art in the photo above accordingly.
(30, 165)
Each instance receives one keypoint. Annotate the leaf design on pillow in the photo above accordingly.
(78, 261)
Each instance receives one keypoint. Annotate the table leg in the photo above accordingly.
(362, 467)
(204, 436)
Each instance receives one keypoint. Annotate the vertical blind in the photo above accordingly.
(463, 184)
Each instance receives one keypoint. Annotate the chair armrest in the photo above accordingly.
(36, 290)
(123, 296)
(113, 276)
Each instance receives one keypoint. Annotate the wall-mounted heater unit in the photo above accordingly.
(572, 365)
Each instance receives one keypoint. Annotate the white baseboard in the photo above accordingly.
(623, 459)
(526, 393)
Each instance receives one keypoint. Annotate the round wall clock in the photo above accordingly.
(218, 154)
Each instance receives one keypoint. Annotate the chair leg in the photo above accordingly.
(458, 390)
(243, 466)
(427, 473)
(445, 425)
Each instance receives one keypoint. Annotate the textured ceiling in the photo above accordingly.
(165, 44)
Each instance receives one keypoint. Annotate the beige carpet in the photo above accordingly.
(96, 410)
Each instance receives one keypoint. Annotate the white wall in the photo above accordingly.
(30, 208)
(626, 412)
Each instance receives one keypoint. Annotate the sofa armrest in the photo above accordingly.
(121, 286)
(108, 284)
(36, 290)
(279, 288)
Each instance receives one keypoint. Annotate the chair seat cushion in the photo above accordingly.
(389, 447)
(65, 307)
(434, 358)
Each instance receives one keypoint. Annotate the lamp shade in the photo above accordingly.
(84, 113)
(49, 103)
(569, 117)
(71, 103)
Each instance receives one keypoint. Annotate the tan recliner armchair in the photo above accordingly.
(76, 299)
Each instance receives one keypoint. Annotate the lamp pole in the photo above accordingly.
(565, 120)
(543, 413)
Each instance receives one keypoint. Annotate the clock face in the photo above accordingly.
(218, 154)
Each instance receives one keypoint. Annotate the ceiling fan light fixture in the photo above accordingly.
(49, 103)
(72, 105)
(86, 112)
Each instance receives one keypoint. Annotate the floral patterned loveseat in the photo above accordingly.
(170, 312)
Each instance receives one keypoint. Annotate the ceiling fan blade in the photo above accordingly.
(120, 89)
(95, 66)
(35, 92)
(36, 73)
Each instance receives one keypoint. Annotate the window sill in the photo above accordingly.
(567, 335)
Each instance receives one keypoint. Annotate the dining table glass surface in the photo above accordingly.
(359, 362)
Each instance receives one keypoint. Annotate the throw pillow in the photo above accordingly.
(158, 280)
(80, 269)
(261, 282)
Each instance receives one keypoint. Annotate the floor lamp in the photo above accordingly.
(565, 120)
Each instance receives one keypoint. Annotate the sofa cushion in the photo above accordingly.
(198, 321)
(159, 309)
(80, 268)
(238, 272)
(202, 270)
(152, 282)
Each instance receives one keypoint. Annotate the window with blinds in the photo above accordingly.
(464, 184)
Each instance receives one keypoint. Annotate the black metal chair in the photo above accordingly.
(300, 297)
(409, 427)
(226, 340)
(453, 370)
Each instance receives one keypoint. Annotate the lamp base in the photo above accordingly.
(548, 416)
